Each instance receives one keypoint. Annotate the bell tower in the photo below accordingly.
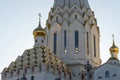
(73, 34)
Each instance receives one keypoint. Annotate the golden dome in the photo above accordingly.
(114, 48)
(39, 31)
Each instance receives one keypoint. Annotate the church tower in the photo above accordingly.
(73, 34)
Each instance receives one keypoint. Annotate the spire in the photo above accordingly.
(70, 3)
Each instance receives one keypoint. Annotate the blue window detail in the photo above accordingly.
(94, 46)
(76, 41)
(65, 38)
(107, 74)
(55, 43)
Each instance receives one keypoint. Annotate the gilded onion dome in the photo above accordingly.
(114, 48)
(39, 31)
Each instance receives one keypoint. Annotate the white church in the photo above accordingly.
(66, 49)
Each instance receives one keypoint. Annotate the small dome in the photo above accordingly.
(114, 48)
(39, 31)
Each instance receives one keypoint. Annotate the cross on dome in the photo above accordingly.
(39, 17)
(113, 37)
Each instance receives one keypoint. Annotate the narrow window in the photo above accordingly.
(55, 43)
(47, 40)
(57, 18)
(87, 35)
(58, 9)
(75, 16)
(83, 77)
(11, 73)
(42, 41)
(24, 77)
(35, 40)
(76, 41)
(32, 77)
(25, 70)
(65, 37)
(107, 74)
(94, 38)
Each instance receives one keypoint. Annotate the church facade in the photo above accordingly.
(67, 49)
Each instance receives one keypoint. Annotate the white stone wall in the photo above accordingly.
(38, 76)
(113, 69)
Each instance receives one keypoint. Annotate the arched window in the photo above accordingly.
(11, 73)
(107, 74)
(83, 77)
(76, 41)
(65, 40)
(35, 40)
(18, 71)
(75, 16)
(42, 41)
(32, 77)
(23, 77)
(87, 36)
(25, 70)
(57, 18)
(55, 43)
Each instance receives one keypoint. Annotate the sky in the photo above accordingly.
(18, 19)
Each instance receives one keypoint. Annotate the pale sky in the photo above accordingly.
(18, 18)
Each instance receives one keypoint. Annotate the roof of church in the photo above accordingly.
(37, 57)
